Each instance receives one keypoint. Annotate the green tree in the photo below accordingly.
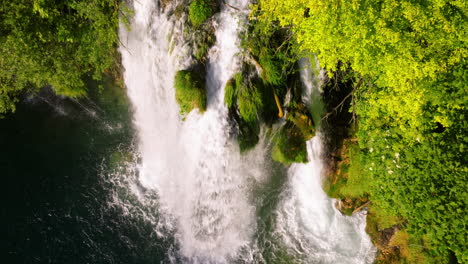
(56, 43)
(411, 107)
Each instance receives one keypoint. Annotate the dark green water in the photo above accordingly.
(55, 158)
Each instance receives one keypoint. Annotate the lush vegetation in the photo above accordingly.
(200, 11)
(55, 43)
(190, 91)
(409, 59)
(254, 99)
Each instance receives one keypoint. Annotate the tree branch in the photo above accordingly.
(340, 105)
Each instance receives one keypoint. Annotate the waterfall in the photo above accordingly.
(197, 170)
(204, 186)
(307, 220)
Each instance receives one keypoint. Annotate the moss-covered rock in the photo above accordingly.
(289, 145)
(190, 91)
(200, 11)
(302, 119)
(245, 96)
(202, 40)
(243, 110)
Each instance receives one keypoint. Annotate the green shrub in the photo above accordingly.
(190, 91)
(199, 12)
(289, 145)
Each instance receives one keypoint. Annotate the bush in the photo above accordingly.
(199, 12)
(190, 92)
(289, 145)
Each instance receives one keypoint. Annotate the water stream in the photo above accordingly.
(308, 221)
(204, 187)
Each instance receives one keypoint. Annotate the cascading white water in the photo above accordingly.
(310, 226)
(203, 183)
(198, 173)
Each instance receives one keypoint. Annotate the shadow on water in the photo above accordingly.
(56, 201)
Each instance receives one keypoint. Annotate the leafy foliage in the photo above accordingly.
(55, 43)
(190, 91)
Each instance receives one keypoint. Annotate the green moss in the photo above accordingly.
(289, 145)
(248, 135)
(237, 97)
(201, 51)
(199, 12)
(230, 94)
(230, 91)
(203, 40)
(333, 188)
(190, 91)
(271, 73)
(383, 218)
(249, 101)
(300, 116)
(358, 184)
(246, 97)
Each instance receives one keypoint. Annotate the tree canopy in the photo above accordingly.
(56, 43)
(411, 109)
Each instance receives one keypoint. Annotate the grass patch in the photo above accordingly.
(190, 91)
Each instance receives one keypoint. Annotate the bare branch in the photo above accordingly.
(340, 105)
